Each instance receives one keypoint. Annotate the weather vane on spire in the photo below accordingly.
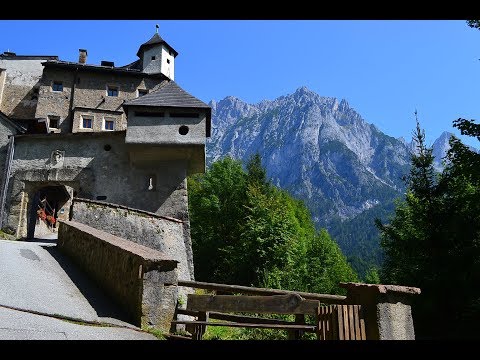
(156, 28)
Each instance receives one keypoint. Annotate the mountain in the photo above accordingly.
(318, 148)
(322, 151)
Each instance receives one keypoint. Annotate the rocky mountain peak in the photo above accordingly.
(440, 149)
(317, 147)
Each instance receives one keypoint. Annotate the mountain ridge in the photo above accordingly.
(322, 151)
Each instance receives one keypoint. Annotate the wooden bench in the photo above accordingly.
(330, 322)
(206, 307)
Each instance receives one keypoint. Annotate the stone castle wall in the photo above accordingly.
(90, 96)
(96, 167)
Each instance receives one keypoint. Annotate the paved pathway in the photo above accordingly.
(37, 279)
(19, 325)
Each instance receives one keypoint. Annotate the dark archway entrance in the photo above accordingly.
(48, 204)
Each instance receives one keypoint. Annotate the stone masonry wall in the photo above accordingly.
(147, 229)
(5, 131)
(92, 171)
(90, 92)
(165, 130)
(141, 280)
(21, 86)
(54, 102)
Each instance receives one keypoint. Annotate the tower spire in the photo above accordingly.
(156, 28)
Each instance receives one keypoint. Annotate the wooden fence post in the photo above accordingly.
(200, 329)
(297, 334)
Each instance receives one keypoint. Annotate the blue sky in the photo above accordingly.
(384, 69)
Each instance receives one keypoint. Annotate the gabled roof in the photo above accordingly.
(136, 65)
(169, 94)
(155, 40)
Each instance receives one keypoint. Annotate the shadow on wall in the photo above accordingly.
(26, 107)
(101, 303)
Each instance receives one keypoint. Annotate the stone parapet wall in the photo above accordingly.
(140, 279)
(157, 232)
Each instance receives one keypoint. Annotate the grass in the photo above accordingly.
(80, 322)
(155, 332)
(224, 333)
(5, 236)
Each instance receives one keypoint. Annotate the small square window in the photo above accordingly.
(112, 91)
(153, 57)
(168, 61)
(87, 122)
(109, 124)
(142, 92)
(53, 121)
(57, 86)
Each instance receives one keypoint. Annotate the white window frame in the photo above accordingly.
(105, 119)
(58, 118)
(86, 116)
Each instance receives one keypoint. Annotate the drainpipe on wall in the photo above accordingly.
(6, 177)
(72, 95)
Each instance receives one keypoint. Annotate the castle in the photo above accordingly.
(101, 144)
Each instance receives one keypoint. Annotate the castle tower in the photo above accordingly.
(157, 56)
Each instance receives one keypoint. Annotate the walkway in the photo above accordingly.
(39, 287)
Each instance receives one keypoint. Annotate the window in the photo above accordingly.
(112, 90)
(153, 58)
(168, 61)
(184, 115)
(142, 92)
(87, 122)
(183, 130)
(109, 124)
(57, 86)
(53, 121)
(149, 114)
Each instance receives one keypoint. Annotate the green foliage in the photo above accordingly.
(359, 238)
(155, 332)
(433, 240)
(372, 276)
(217, 209)
(256, 173)
(4, 235)
(246, 231)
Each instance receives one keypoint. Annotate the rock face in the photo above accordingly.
(318, 148)
(440, 148)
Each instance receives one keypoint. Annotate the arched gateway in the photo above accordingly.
(49, 203)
